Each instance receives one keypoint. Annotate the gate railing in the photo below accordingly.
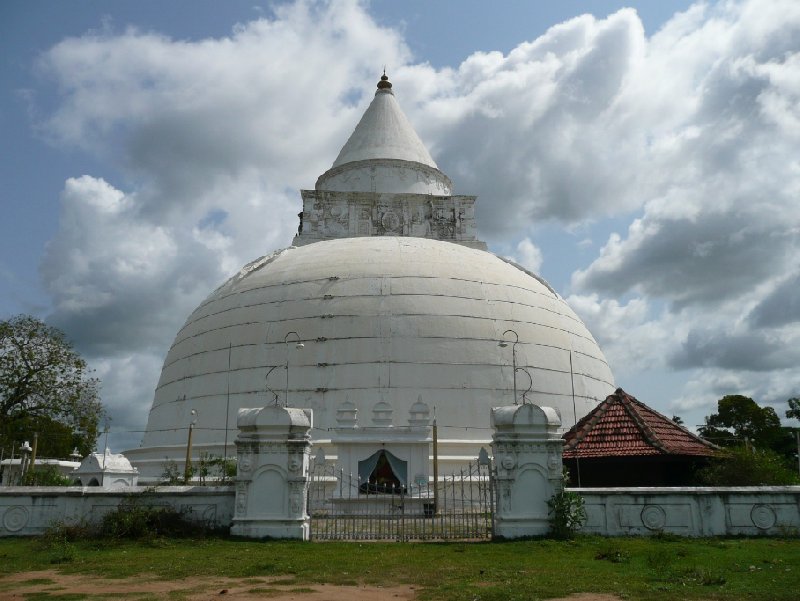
(459, 506)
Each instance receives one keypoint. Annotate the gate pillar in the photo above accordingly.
(273, 448)
(527, 458)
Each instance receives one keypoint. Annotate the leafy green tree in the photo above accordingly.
(45, 387)
(56, 439)
(794, 408)
(738, 418)
(740, 466)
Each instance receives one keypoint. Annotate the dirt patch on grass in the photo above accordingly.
(53, 584)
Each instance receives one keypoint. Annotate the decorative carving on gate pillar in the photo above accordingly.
(273, 447)
(527, 452)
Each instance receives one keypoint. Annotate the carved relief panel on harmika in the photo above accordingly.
(328, 215)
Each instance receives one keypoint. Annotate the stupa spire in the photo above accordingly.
(384, 183)
(384, 132)
(384, 83)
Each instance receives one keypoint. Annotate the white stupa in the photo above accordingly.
(386, 310)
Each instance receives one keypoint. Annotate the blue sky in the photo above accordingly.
(643, 161)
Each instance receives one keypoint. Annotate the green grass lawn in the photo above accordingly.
(634, 568)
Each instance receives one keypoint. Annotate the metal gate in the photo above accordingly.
(459, 507)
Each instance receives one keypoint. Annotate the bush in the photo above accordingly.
(740, 466)
(58, 540)
(171, 474)
(133, 519)
(567, 512)
(216, 470)
(58, 532)
(45, 475)
(210, 470)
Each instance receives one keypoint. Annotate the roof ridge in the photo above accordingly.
(672, 423)
(653, 430)
(587, 423)
(633, 410)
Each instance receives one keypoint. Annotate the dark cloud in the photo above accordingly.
(779, 308)
(703, 260)
(752, 351)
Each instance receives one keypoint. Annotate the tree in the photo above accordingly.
(794, 408)
(45, 387)
(747, 467)
(56, 439)
(738, 418)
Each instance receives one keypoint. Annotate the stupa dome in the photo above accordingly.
(386, 305)
(381, 319)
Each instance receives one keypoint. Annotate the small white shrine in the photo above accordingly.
(106, 470)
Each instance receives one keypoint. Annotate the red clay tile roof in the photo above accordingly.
(623, 426)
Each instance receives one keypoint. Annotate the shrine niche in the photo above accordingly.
(383, 473)
(386, 457)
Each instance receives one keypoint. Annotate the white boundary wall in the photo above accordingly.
(692, 511)
(30, 510)
(685, 511)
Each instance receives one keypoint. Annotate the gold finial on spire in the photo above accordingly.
(384, 83)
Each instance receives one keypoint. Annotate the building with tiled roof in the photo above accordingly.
(623, 442)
